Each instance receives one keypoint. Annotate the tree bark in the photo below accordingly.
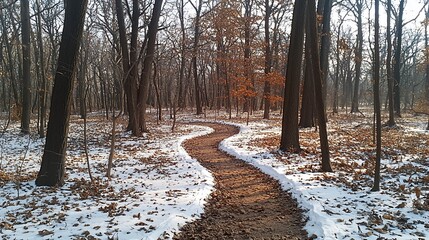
(43, 87)
(321, 116)
(268, 60)
(290, 134)
(180, 98)
(53, 160)
(81, 88)
(358, 57)
(194, 57)
(26, 65)
(391, 121)
(143, 92)
(339, 68)
(129, 62)
(249, 101)
(376, 186)
(427, 60)
(9, 53)
(326, 44)
(308, 98)
(397, 62)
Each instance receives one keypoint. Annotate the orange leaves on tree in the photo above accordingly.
(244, 88)
(275, 78)
(277, 81)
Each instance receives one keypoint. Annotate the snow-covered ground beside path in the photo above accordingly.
(155, 189)
(340, 205)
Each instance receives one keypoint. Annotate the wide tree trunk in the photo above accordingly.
(307, 116)
(290, 134)
(53, 160)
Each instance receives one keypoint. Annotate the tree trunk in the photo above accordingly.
(143, 92)
(391, 121)
(348, 82)
(267, 69)
(249, 101)
(326, 44)
(397, 62)
(194, 57)
(10, 65)
(26, 64)
(157, 94)
(321, 116)
(129, 62)
(427, 60)
(308, 101)
(53, 161)
(43, 87)
(358, 58)
(290, 134)
(376, 186)
(337, 74)
(180, 98)
(81, 82)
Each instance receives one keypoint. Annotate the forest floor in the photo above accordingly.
(246, 204)
(157, 188)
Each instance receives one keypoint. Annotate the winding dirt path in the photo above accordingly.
(246, 204)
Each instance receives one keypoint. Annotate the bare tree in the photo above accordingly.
(376, 65)
(26, 64)
(268, 57)
(197, 7)
(397, 61)
(181, 96)
(427, 58)
(137, 90)
(290, 134)
(43, 82)
(341, 47)
(145, 77)
(315, 63)
(391, 121)
(326, 44)
(357, 10)
(308, 105)
(129, 62)
(53, 160)
(10, 65)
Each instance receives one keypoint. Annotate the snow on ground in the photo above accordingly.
(340, 205)
(155, 189)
